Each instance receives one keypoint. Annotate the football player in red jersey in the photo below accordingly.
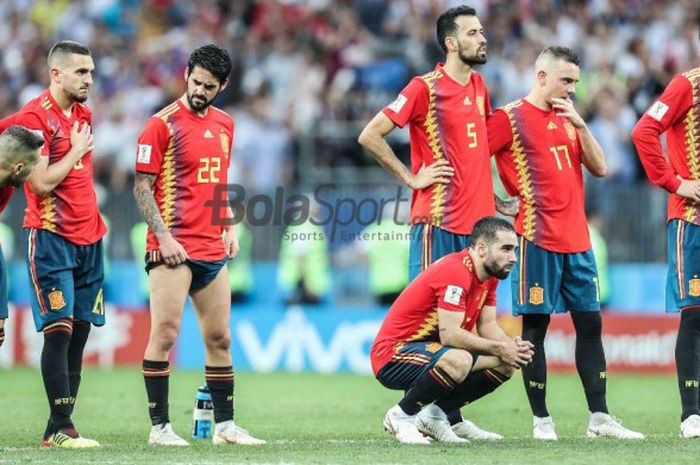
(676, 113)
(64, 233)
(540, 143)
(19, 153)
(440, 341)
(182, 157)
(450, 171)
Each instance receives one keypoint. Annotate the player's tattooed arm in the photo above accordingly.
(508, 207)
(146, 203)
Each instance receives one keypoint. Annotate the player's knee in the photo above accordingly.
(218, 339)
(166, 336)
(457, 363)
(588, 325)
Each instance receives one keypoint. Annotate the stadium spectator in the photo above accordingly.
(440, 341)
(182, 158)
(540, 142)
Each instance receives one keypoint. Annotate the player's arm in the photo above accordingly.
(507, 207)
(592, 154)
(231, 235)
(673, 103)
(45, 177)
(452, 334)
(172, 252)
(373, 139)
(488, 327)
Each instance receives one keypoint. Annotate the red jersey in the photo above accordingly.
(677, 113)
(450, 284)
(5, 196)
(538, 154)
(448, 122)
(189, 154)
(70, 210)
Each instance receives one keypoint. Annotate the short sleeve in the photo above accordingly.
(499, 131)
(408, 103)
(152, 144)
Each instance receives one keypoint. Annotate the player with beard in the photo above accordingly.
(183, 155)
(19, 153)
(440, 341)
(540, 142)
(450, 171)
(64, 231)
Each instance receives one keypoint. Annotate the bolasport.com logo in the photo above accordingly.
(321, 207)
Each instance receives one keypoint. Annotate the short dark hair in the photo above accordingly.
(214, 59)
(18, 143)
(446, 25)
(487, 229)
(64, 48)
(561, 53)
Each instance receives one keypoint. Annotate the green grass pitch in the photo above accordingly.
(337, 419)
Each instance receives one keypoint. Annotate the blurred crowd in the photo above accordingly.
(309, 73)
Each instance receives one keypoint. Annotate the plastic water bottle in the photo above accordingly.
(203, 415)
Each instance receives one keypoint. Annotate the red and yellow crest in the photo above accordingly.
(56, 301)
(694, 287)
(433, 347)
(570, 130)
(223, 138)
(536, 295)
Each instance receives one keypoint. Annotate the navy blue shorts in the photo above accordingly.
(429, 244)
(683, 278)
(203, 272)
(66, 279)
(409, 362)
(4, 289)
(544, 282)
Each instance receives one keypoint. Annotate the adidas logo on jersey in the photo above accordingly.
(551, 125)
(208, 134)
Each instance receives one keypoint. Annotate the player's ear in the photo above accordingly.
(450, 43)
(223, 85)
(186, 73)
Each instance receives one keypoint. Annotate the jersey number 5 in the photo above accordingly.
(208, 171)
(471, 134)
(561, 149)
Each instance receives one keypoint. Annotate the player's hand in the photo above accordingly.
(689, 189)
(526, 350)
(81, 139)
(171, 251)
(508, 207)
(231, 243)
(567, 110)
(439, 172)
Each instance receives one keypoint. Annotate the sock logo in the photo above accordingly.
(534, 384)
(229, 398)
(63, 401)
(603, 375)
(692, 383)
(152, 404)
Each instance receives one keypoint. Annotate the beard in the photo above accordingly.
(79, 98)
(198, 105)
(496, 271)
(471, 60)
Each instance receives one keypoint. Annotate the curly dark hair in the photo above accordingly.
(214, 59)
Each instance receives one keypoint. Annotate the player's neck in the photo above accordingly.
(186, 103)
(479, 267)
(457, 69)
(539, 101)
(64, 103)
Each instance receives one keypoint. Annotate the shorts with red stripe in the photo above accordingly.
(66, 279)
(429, 244)
(545, 282)
(683, 279)
(409, 362)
